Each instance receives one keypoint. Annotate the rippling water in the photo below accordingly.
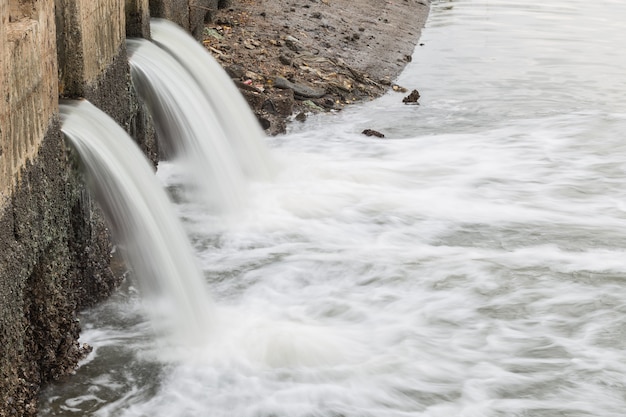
(471, 264)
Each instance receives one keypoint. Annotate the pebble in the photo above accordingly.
(299, 89)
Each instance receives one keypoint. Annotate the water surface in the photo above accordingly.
(471, 264)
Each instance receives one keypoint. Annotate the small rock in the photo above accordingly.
(285, 60)
(247, 86)
(253, 76)
(281, 103)
(398, 88)
(236, 71)
(412, 98)
(212, 33)
(301, 117)
(265, 124)
(255, 99)
(328, 103)
(312, 105)
(299, 90)
(293, 43)
(370, 132)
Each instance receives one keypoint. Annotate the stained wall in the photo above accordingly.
(54, 245)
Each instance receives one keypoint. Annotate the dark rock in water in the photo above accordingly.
(412, 98)
(370, 132)
(301, 117)
(328, 103)
(299, 90)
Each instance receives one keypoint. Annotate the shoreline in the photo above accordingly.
(296, 57)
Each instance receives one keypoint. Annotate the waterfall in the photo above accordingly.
(186, 126)
(229, 106)
(142, 221)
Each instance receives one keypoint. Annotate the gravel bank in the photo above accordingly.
(293, 57)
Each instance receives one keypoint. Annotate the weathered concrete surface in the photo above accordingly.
(89, 33)
(175, 10)
(137, 19)
(53, 249)
(53, 261)
(93, 63)
(29, 87)
(5, 181)
(189, 14)
(54, 246)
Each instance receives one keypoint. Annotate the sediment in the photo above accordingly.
(304, 56)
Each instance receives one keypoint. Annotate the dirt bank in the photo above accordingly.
(292, 57)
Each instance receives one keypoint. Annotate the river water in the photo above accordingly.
(472, 263)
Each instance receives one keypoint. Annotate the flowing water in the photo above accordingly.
(143, 223)
(234, 116)
(471, 264)
(187, 128)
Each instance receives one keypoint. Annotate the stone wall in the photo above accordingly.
(54, 245)
(190, 14)
(137, 19)
(29, 85)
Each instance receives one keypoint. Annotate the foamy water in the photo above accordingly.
(471, 264)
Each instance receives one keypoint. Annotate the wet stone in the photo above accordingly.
(370, 132)
(412, 98)
(299, 90)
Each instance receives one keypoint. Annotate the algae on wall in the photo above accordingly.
(54, 246)
(54, 260)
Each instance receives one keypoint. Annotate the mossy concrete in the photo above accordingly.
(54, 245)
(54, 260)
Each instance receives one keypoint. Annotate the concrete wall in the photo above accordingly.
(90, 33)
(137, 19)
(29, 85)
(54, 246)
(5, 180)
(190, 14)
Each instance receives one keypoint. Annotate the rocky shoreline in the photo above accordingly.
(295, 57)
